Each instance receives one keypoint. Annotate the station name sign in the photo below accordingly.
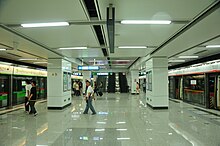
(88, 67)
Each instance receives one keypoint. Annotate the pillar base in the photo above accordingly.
(157, 107)
(58, 108)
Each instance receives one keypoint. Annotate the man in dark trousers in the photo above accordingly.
(32, 98)
(28, 89)
(89, 96)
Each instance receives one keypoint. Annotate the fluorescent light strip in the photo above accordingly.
(187, 57)
(213, 46)
(120, 122)
(99, 130)
(101, 122)
(145, 22)
(176, 61)
(28, 59)
(132, 47)
(125, 138)
(50, 24)
(97, 61)
(2, 49)
(73, 48)
(121, 129)
(40, 62)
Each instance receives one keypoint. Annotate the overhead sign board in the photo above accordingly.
(88, 67)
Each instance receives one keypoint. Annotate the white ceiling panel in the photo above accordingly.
(130, 52)
(82, 53)
(213, 42)
(201, 51)
(15, 12)
(154, 9)
(29, 11)
(202, 31)
(55, 37)
(147, 35)
(14, 41)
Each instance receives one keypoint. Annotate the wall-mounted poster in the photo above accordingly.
(65, 81)
(149, 80)
(69, 81)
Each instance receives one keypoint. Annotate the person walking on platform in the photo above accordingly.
(80, 88)
(77, 89)
(137, 88)
(33, 98)
(96, 88)
(89, 96)
(28, 89)
(100, 89)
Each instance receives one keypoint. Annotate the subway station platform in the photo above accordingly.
(121, 120)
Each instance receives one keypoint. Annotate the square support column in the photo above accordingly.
(134, 79)
(157, 83)
(58, 84)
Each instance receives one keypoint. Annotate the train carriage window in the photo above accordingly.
(194, 86)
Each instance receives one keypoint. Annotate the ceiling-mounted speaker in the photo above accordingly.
(111, 27)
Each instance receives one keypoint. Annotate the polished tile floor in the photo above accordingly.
(121, 120)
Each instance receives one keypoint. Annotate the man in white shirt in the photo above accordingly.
(88, 98)
(28, 89)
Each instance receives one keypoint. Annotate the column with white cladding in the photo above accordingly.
(157, 82)
(58, 84)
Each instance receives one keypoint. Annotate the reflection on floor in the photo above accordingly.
(121, 120)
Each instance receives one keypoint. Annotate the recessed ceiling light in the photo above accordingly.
(1, 49)
(97, 60)
(188, 57)
(40, 62)
(5, 63)
(27, 59)
(99, 130)
(101, 122)
(120, 122)
(123, 138)
(145, 22)
(213, 46)
(73, 48)
(132, 47)
(176, 61)
(121, 129)
(50, 24)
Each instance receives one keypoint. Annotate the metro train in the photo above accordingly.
(12, 84)
(198, 85)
